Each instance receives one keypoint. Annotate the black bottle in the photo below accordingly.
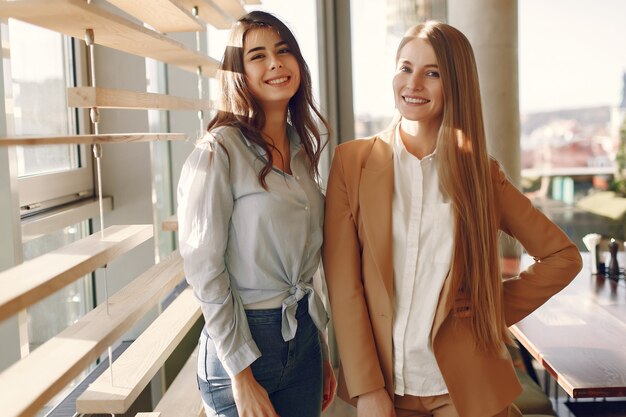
(613, 265)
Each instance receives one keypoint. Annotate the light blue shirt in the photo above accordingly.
(242, 244)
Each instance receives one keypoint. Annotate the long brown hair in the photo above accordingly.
(240, 109)
(465, 177)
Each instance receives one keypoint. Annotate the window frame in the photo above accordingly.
(38, 193)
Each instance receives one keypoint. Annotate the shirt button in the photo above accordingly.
(306, 208)
(297, 178)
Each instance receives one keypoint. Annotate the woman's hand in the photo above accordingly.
(251, 398)
(375, 404)
(330, 385)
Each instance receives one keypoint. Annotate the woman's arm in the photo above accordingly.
(557, 260)
(250, 397)
(205, 204)
(342, 266)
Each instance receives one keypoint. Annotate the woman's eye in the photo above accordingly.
(432, 74)
(404, 68)
(284, 51)
(255, 57)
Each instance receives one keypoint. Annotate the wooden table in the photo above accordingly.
(579, 335)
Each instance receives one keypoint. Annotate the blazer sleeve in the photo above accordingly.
(342, 265)
(557, 259)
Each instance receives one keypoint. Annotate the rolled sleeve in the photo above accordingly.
(205, 206)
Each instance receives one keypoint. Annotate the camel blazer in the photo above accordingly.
(359, 272)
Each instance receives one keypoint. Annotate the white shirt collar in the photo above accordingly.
(400, 149)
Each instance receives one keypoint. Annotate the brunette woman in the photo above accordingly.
(250, 218)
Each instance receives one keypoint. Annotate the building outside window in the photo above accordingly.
(573, 112)
(571, 93)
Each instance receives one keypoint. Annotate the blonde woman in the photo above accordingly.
(411, 248)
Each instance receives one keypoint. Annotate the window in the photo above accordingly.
(56, 312)
(572, 101)
(48, 176)
(572, 104)
(55, 174)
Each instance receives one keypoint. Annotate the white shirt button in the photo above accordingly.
(297, 177)
(306, 208)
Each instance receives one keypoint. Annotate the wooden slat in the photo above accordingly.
(74, 17)
(163, 15)
(51, 221)
(182, 398)
(136, 367)
(170, 224)
(90, 139)
(109, 98)
(253, 1)
(209, 13)
(27, 283)
(30, 383)
(231, 7)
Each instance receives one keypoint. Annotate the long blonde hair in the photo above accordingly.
(465, 177)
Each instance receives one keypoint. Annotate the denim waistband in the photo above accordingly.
(303, 308)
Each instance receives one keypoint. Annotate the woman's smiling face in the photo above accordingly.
(272, 71)
(417, 86)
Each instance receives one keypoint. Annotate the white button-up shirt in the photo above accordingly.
(423, 234)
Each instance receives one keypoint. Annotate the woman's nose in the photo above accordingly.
(415, 82)
(276, 63)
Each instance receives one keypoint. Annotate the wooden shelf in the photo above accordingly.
(90, 139)
(231, 7)
(74, 17)
(27, 283)
(30, 383)
(136, 367)
(182, 398)
(108, 98)
(170, 224)
(209, 13)
(163, 15)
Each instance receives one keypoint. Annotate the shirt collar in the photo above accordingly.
(295, 143)
(400, 150)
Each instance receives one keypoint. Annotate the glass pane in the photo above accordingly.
(39, 99)
(571, 113)
(373, 56)
(61, 309)
(572, 104)
(53, 314)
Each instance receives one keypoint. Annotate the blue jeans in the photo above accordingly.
(291, 372)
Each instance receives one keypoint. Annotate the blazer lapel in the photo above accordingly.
(375, 194)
